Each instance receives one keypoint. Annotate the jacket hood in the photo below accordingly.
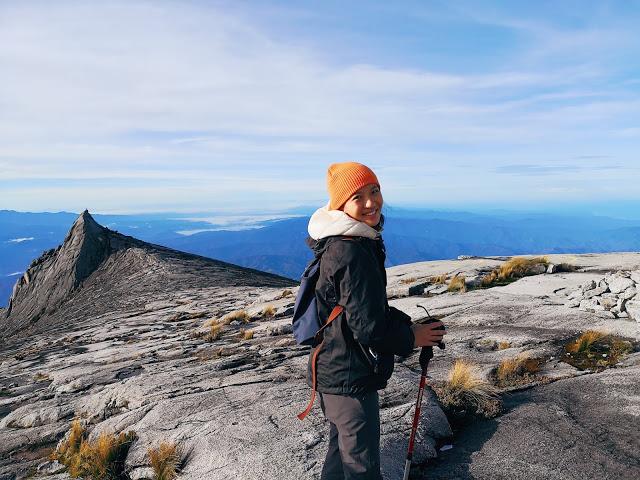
(325, 223)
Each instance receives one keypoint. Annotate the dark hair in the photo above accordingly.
(380, 224)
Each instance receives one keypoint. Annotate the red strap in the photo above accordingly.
(337, 310)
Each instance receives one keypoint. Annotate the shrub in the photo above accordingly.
(466, 390)
(457, 284)
(239, 315)
(246, 334)
(512, 269)
(165, 460)
(269, 311)
(504, 345)
(102, 458)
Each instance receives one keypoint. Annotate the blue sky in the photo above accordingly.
(185, 106)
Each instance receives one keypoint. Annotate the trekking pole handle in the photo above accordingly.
(426, 321)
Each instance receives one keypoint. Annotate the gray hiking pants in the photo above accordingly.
(354, 437)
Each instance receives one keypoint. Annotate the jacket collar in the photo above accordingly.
(325, 223)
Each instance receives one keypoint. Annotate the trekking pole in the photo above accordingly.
(426, 354)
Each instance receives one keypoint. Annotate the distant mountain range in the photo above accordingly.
(277, 245)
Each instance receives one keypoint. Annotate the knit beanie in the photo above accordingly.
(344, 179)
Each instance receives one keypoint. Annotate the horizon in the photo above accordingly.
(621, 211)
(195, 103)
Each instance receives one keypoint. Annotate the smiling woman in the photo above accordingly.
(353, 355)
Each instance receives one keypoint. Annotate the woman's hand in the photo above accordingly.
(428, 335)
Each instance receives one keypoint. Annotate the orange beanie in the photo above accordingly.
(344, 179)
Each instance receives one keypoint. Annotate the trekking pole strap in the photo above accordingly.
(337, 310)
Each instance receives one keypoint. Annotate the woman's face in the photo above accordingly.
(365, 205)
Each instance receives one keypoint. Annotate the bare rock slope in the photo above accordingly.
(185, 349)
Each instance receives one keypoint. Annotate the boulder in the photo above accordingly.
(573, 302)
(620, 284)
(537, 269)
(621, 306)
(635, 276)
(591, 305)
(590, 285)
(608, 302)
(633, 309)
(629, 293)
(575, 294)
(552, 268)
(599, 290)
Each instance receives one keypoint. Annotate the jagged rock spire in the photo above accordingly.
(57, 272)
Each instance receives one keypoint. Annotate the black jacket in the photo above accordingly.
(356, 355)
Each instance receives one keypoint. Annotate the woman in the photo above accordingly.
(356, 357)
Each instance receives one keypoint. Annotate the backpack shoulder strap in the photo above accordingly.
(337, 310)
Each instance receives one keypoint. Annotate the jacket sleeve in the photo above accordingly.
(361, 291)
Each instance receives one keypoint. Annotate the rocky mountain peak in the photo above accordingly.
(57, 272)
(96, 268)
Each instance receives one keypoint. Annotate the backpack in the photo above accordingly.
(307, 326)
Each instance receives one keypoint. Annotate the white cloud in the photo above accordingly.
(20, 240)
(192, 95)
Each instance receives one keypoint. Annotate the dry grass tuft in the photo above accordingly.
(585, 341)
(214, 333)
(69, 448)
(439, 279)
(285, 293)
(269, 311)
(504, 345)
(596, 350)
(466, 390)
(239, 315)
(102, 458)
(165, 460)
(211, 354)
(513, 269)
(518, 370)
(211, 321)
(457, 284)
(246, 334)
(41, 377)
(408, 280)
